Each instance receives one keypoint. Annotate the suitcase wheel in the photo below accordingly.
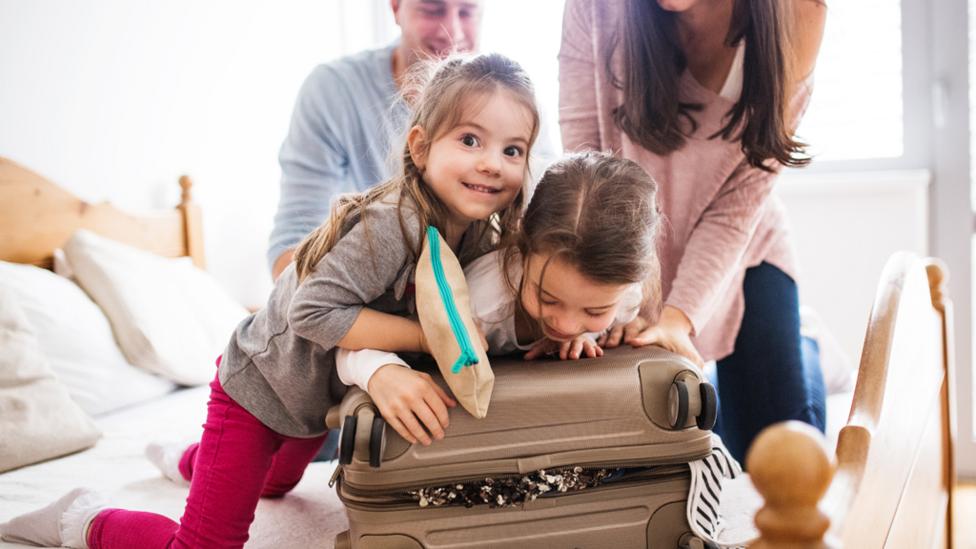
(687, 541)
(709, 407)
(678, 404)
(347, 442)
(376, 434)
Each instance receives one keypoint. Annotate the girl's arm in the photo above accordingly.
(330, 305)
(384, 332)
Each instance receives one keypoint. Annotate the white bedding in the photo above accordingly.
(312, 514)
(309, 517)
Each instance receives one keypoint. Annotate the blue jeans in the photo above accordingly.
(772, 374)
(329, 450)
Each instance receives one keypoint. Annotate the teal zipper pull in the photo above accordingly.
(468, 356)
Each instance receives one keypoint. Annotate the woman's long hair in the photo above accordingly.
(652, 114)
(441, 91)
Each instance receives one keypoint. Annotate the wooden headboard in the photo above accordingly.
(37, 216)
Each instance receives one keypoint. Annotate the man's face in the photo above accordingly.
(437, 27)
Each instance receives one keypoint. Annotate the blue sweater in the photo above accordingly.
(347, 115)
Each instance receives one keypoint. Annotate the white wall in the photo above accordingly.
(845, 226)
(114, 99)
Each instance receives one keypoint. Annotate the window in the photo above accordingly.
(856, 111)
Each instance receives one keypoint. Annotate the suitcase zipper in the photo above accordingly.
(507, 473)
(400, 500)
(468, 355)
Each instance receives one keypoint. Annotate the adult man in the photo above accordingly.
(348, 111)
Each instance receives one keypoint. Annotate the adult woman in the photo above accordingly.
(704, 94)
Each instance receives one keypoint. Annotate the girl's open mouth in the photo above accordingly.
(481, 188)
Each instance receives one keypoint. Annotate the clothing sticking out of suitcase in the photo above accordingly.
(622, 427)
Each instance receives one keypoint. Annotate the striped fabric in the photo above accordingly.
(705, 494)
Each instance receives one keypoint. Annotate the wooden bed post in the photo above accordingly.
(938, 274)
(192, 223)
(791, 469)
(892, 482)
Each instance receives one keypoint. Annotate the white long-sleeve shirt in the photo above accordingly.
(493, 308)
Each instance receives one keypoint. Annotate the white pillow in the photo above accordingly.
(169, 317)
(77, 341)
(38, 420)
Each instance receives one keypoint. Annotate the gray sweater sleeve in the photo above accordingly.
(365, 263)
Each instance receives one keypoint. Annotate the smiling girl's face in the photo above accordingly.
(566, 303)
(479, 166)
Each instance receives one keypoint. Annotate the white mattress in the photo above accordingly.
(311, 514)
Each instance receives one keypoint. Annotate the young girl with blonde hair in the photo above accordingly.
(584, 260)
(464, 170)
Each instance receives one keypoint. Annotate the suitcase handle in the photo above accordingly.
(347, 442)
(376, 437)
(678, 405)
(709, 407)
(681, 405)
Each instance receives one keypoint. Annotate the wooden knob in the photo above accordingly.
(186, 184)
(938, 274)
(791, 469)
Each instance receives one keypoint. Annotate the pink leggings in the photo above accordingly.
(237, 461)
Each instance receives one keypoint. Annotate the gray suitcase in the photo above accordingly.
(640, 414)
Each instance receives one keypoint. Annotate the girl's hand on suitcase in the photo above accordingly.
(672, 332)
(407, 399)
(614, 336)
(578, 347)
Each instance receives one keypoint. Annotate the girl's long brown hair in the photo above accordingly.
(598, 213)
(440, 91)
(652, 113)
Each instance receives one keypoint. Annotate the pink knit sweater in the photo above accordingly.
(720, 217)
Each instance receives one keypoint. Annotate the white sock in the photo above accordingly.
(59, 524)
(166, 457)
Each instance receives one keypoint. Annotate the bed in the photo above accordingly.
(893, 478)
(890, 481)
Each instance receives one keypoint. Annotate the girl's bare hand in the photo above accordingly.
(410, 401)
(615, 335)
(580, 346)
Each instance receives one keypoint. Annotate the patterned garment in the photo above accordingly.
(705, 493)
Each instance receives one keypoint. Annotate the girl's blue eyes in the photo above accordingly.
(469, 140)
(513, 151)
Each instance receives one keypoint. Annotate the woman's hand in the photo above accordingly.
(578, 347)
(672, 332)
(407, 398)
